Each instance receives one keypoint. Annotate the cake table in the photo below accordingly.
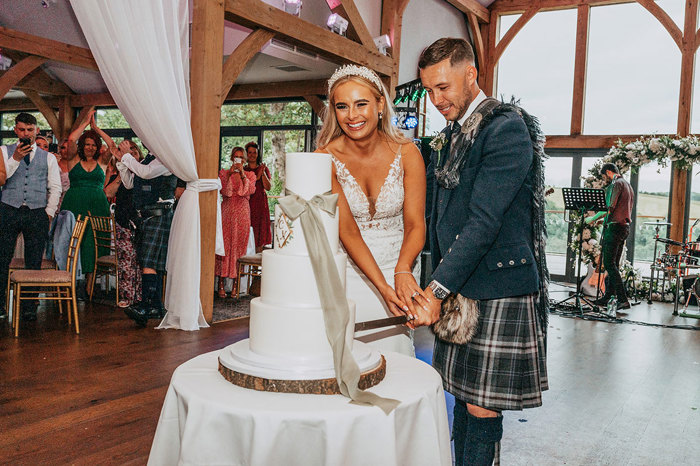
(207, 420)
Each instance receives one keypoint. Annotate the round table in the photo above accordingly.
(207, 420)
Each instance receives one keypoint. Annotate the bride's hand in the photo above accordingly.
(407, 289)
(394, 303)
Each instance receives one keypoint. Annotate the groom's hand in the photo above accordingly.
(428, 308)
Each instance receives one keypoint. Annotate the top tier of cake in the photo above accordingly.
(307, 174)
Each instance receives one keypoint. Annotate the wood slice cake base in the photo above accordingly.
(316, 387)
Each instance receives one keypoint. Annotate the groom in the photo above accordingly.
(483, 223)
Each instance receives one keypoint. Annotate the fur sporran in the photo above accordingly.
(458, 319)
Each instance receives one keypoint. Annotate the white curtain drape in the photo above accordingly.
(142, 50)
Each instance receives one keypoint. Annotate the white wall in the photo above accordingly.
(425, 21)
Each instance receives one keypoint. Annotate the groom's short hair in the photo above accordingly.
(457, 50)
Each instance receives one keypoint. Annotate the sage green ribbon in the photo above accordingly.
(336, 312)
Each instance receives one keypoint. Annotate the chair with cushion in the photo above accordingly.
(53, 285)
(106, 263)
(17, 263)
(248, 266)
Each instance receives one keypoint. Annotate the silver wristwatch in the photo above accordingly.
(438, 290)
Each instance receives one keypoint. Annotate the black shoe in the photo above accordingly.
(156, 312)
(623, 306)
(138, 313)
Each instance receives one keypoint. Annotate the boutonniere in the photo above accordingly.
(438, 143)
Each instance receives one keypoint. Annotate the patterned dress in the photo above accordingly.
(260, 210)
(84, 196)
(235, 219)
(381, 226)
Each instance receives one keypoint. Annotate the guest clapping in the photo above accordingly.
(259, 208)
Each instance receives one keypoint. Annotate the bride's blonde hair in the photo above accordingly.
(331, 129)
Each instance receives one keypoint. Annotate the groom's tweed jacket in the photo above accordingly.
(481, 231)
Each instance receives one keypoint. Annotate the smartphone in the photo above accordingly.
(237, 160)
(25, 141)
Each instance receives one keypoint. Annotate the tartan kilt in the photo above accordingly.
(504, 366)
(152, 237)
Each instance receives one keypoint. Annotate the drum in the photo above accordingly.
(692, 248)
(686, 259)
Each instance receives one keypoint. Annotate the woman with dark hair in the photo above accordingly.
(259, 208)
(85, 195)
(237, 186)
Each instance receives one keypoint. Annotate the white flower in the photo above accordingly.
(438, 142)
(654, 145)
(677, 143)
(593, 242)
(635, 160)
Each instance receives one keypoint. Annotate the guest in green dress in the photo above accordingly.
(86, 196)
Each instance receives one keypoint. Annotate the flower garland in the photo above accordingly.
(630, 156)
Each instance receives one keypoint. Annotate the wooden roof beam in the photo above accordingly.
(237, 61)
(357, 29)
(520, 6)
(255, 14)
(47, 48)
(17, 72)
(38, 80)
(472, 7)
(45, 109)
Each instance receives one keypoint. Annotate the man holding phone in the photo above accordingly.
(29, 201)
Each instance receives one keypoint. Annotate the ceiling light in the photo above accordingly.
(337, 24)
(293, 7)
(382, 42)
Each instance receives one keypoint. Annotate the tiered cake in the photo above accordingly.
(287, 332)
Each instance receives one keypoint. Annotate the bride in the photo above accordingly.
(380, 177)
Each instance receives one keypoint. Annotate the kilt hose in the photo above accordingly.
(504, 366)
(152, 241)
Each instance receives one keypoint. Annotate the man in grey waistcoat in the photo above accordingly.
(29, 201)
(487, 299)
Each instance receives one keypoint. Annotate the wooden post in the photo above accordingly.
(206, 65)
(579, 95)
(680, 177)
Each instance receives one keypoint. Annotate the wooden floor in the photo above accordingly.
(620, 394)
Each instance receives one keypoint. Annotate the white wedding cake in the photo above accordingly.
(287, 330)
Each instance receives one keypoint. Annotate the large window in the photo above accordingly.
(557, 175)
(278, 128)
(652, 206)
(544, 91)
(633, 72)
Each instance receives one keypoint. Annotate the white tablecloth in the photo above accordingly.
(207, 420)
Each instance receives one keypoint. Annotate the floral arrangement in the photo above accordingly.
(630, 156)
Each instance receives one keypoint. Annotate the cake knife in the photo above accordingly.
(379, 323)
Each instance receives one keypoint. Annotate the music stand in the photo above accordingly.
(582, 200)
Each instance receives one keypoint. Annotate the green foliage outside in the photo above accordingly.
(8, 123)
(266, 114)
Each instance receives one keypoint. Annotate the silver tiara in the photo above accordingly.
(354, 70)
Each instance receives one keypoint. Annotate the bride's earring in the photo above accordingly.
(380, 116)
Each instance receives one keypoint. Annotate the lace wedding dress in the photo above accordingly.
(381, 224)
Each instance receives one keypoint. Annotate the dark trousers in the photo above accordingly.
(34, 226)
(613, 241)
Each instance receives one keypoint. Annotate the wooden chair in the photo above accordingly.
(104, 233)
(55, 285)
(17, 263)
(248, 266)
